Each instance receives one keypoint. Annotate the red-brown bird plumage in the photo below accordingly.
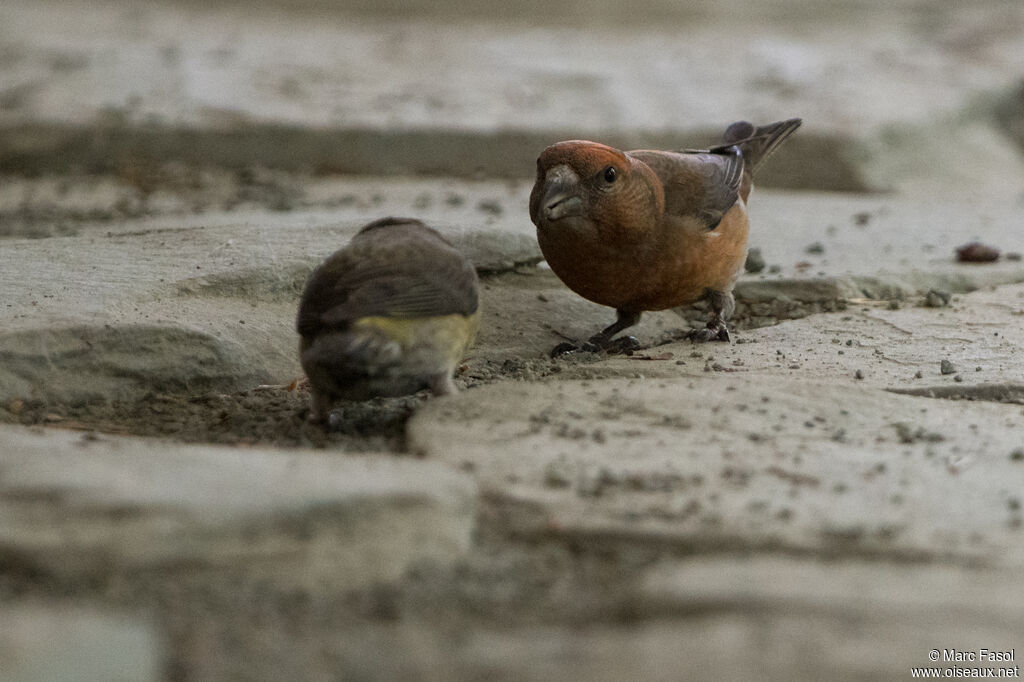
(650, 230)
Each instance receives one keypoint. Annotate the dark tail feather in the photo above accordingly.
(757, 144)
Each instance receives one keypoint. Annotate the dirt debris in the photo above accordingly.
(273, 416)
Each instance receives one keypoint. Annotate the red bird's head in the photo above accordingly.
(588, 186)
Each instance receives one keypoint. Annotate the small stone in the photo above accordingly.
(817, 248)
(918, 374)
(554, 477)
(936, 298)
(755, 261)
(1013, 255)
(958, 378)
(905, 432)
(490, 206)
(1017, 455)
(858, 374)
(774, 269)
(894, 304)
(976, 252)
(947, 367)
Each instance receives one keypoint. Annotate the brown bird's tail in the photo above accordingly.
(758, 143)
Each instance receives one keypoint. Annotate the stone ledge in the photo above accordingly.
(407, 93)
(812, 161)
(41, 642)
(707, 462)
(81, 506)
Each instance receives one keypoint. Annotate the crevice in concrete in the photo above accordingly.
(812, 160)
(996, 393)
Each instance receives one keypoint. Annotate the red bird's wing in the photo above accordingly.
(702, 185)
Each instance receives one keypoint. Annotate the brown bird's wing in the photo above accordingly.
(411, 278)
(702, 184)
(757, 143)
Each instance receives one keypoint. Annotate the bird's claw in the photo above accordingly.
(568, 348)
(564, 348)
(624, 344)
(712, 332)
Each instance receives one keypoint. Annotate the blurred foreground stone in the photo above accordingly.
(80, 507)
(43, 643)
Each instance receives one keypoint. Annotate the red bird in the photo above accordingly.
(651, 230)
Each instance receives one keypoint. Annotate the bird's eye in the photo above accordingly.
(609, 174)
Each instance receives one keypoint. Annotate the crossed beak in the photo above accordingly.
(561, 197)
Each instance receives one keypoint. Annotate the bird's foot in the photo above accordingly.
(568, 348)
(715, 331)
(597, 344)
(625, 345)
(565, 348)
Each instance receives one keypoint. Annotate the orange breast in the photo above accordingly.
(598, 272)
(669, 268)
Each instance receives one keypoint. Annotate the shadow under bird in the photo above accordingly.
(391, 313)
(650, 230)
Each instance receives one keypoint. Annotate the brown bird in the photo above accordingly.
(651, 230)
(389, 314)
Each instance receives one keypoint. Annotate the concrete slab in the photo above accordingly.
(902, 349)
(203, 302)
(206, 302)
(728, 645)
(875, 590)
(42, 642)
(420, 89)
(765, 509)
(80, 506)
(724, 461)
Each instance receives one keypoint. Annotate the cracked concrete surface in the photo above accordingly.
(832, 495)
